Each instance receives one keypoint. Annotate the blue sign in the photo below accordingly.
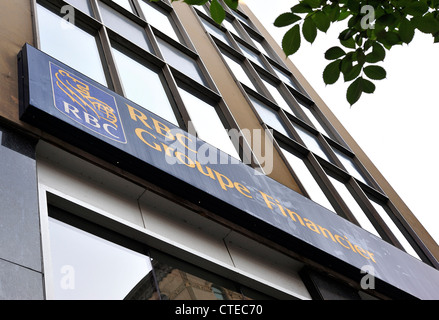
(86, 104)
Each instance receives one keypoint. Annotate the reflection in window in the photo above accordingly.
(355, 208)
(270, 117)
(307, 179)
(60, 39)
(350, 165)
(159, 19)
(86, 267)
(181, 61)
(207, 123)
(125, 27)
(178, 284)
(144, 86)
(311, 142)
(239, 72)
(395, 230)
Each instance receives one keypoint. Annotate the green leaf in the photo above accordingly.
(291, 40)
(332, 72)
(368, 86)
(351, 73)
(426, 24)
(312, 3)
(217, 11)
(196, 2)
(416, 8)
(406, 31)
(334, 53)
(375, 72)
(309, 30)
(301, 8)
(322, 21)
(354, 91)
(232, 4)
(285, 19)
(378, 53)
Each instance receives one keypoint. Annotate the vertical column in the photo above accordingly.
(21, 274)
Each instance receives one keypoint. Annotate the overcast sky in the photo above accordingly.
(397, 125)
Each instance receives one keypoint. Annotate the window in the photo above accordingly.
(82, 5)
(312, 142)
(239, 72)
(181, 61)
(270, 117)
(159, 19)
(395, 230)
(353, 206)
(277, 96)
(307, 179)
(85, 261)
(312, 117)
(124, 4)
(350, 165)
(216, 32)
(207, 123)
(144, 86)
(284, 77)
(60, 39)
(251, 55)
(125, 27)
(87, 267)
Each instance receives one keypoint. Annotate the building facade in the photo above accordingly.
(149, 153)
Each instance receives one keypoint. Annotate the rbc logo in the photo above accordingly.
(86, 104)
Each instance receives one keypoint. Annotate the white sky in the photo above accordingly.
(397, 125)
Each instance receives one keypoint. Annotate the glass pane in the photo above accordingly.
(270, 117)
(240, 17)
(82, 5)
(125, 27)
(355, 208)
(214, 31)
(278, 98)
(395, 230)
(259, 46)
(239, 72)
(251, 55)
(229, 26)
(285, 78)
(60, 39)
(350, 165)
(306, 178)
(125, 4)
(311, 142)
(144, 86)
(178, 284)
(313, 118)
(87, 267)
(181, 61)
(159, 19)
(207, 123)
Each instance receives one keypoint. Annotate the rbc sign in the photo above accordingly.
(86, 104)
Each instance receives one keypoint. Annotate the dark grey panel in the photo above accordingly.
(19, 217)
(18, 283)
